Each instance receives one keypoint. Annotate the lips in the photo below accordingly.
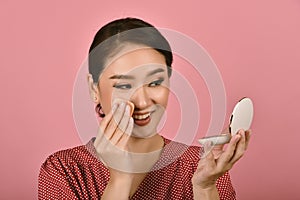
(141, 119)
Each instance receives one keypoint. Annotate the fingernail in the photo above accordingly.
(237, 137)
(243, 133)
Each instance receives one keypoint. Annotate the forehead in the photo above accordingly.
(134, 59)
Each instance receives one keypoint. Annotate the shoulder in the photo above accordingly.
(71, 174)
(80, 155)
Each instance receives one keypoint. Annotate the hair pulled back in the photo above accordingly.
(111, 37)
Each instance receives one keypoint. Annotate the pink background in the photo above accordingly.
(255, 44)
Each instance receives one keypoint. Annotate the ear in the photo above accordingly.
(93, 89)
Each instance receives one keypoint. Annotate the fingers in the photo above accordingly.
(207, 160)
(207, 167)
(115, 121)
(225, 158)
(122, 127)
(207, 147)
(123, 140)
(104, 124)
(216, 161)
(106, 120)
(114, 125)
(248, 135)
(218, 150)
(241, 146)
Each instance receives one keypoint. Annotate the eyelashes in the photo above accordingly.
(156, 83)
(127, 86)
(122, 86)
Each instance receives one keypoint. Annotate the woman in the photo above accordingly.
(130, 66)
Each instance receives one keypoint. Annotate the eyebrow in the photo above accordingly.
(121, 76)
(155, 71)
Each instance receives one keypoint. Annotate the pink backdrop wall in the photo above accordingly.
(255, 44)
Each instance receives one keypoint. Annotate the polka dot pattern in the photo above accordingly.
(77, 174)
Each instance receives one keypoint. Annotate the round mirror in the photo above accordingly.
(241, 117)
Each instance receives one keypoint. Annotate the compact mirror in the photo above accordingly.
(241, 118)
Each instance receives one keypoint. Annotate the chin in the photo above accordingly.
(143, 131)
(150, 129)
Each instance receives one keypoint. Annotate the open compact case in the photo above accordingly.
(241, 118)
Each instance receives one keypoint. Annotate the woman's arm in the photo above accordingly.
(114, 132)
(118, 186)
(207, 193)
(216, 162)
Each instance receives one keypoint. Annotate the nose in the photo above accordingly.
(140, 98)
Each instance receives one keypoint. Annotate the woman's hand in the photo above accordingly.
(116, 126)
(215, 162)
(111, 145)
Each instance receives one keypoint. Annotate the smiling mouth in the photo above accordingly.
(140, 117)
(141, 120)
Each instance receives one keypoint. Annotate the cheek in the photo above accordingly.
(105, 97)
(160, 96)
(122, 94)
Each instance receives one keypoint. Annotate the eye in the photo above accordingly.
(122, 86)
(156, 83)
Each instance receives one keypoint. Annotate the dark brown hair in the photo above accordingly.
(123, 31)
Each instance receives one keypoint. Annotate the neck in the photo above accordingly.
(145, 145)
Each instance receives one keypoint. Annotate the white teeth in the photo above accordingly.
(139, 117)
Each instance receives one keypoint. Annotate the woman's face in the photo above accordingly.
(137, 74)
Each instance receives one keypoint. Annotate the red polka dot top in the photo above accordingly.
(77, 174)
